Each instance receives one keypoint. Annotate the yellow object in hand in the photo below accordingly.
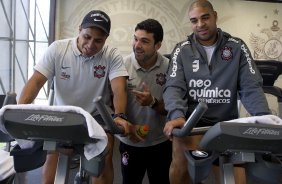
(143, 130)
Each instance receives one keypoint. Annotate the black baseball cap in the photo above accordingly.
(97, 18)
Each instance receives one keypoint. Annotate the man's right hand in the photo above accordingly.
(133, 136)
(170, 125)
(125, 124)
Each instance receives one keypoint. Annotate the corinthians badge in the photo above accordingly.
(226, 53)
(125, 158)
(99, 71)
(161, 79)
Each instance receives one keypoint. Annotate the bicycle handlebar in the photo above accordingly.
(199, 130)
(10, 98)
(187, 129)
(106, 116)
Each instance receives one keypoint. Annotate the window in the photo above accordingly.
(24, 36)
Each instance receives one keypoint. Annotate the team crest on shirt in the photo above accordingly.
(125, 158)
(99, 71)
(64, 75)
(161, 79)
(226, 53)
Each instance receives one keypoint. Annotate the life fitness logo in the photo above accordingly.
(201, 91)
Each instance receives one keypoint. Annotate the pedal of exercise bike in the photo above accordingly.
(29, 158)
(267, 169)
(200, 164)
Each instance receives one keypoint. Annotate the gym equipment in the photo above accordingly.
(257, 147)
(107, 118)
(198, 168)
(270, 71)
(189, 126)
(245, 143)
(51, 130)
(9, 98)
(254, 146)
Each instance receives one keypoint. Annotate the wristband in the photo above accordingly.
(121, 115)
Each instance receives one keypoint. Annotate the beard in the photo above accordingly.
(209, 37)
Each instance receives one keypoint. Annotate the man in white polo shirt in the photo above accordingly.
(83, 68)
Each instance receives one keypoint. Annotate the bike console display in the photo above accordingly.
(226, 136)
(65, 127)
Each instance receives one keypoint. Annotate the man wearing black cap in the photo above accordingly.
(83, 68)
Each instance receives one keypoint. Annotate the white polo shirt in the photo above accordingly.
(78, 79)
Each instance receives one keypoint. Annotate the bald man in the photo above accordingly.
(213, 67)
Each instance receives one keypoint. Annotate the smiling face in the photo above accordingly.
(91, 41)
(203, 20)
(144, 46)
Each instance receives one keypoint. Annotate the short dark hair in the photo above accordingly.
(152, 26)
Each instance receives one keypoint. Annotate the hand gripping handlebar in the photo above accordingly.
(106, 116)
(188, 128)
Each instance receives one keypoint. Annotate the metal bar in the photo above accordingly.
(111, 125)
(34, 37)
(191, 121)
(5, 38)
(42, 21)
(52, 21)
(21, 71)
(30, 51)
(29, 26)
(12, 64)
(22, 40)
(226, 170)
(11, 35)
(62, 173)
(6, 16)
(2, 86)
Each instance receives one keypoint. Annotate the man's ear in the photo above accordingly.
(79, 28)
(215, 15)
(158, 45)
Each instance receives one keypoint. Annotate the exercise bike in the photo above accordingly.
(52, 130)
(255, 146)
